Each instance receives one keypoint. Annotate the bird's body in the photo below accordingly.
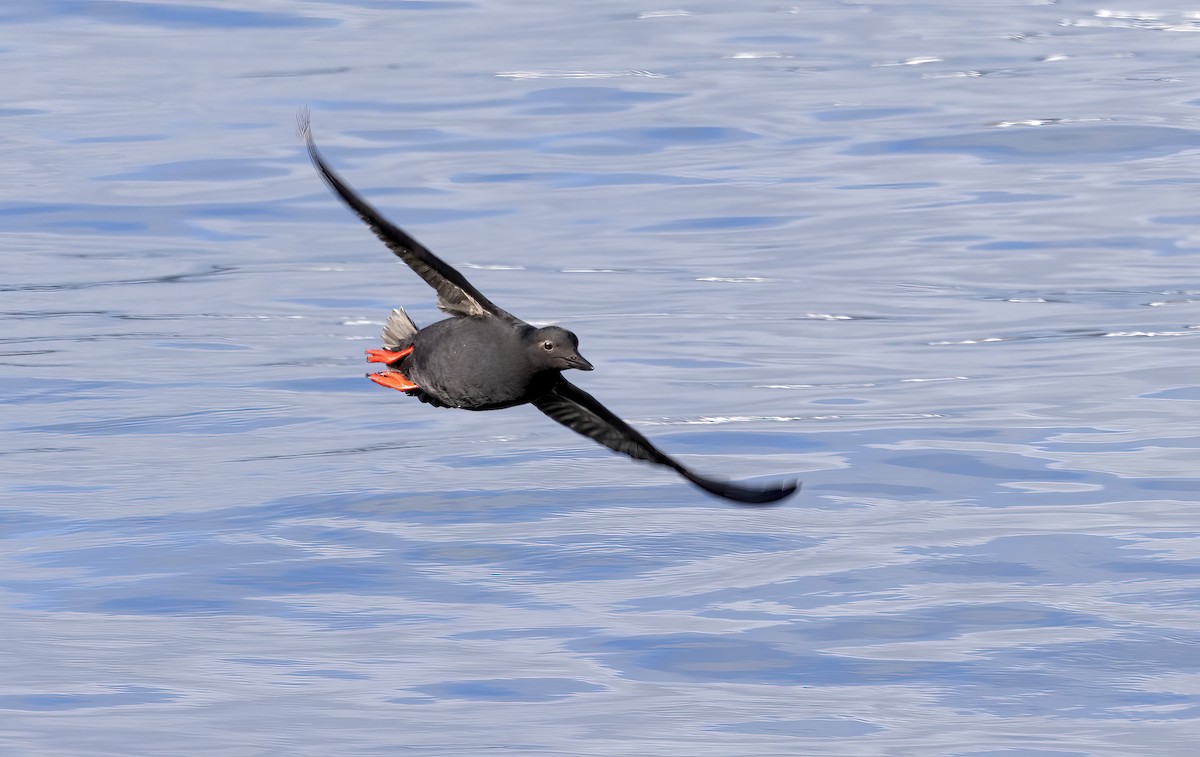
(484, 358)
(474, 364)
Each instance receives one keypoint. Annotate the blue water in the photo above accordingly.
(938, 259)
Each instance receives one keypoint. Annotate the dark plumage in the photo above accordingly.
(484, 358)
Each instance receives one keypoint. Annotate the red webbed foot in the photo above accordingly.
(393, 380)
(387, 356)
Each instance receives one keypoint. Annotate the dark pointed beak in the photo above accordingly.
(578, 361)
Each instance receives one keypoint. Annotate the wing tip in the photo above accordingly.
(304, 125)
(304, 130)
(772, 495)
(746, 495)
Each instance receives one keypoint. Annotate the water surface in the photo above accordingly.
(937, 259)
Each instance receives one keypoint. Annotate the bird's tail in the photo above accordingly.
(399, 330)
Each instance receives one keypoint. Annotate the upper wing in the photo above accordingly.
(455, 294)
(582, 413)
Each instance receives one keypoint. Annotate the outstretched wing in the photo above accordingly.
(582, 413)
(455, 294)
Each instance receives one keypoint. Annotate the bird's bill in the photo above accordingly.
(578, 361)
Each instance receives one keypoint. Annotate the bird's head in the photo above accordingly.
(556, 348)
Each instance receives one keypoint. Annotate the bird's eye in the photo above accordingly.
(547, 345)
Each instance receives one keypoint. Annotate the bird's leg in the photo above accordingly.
(393, 380)
(387, 356)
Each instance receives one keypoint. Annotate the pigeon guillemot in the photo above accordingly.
(484, 358)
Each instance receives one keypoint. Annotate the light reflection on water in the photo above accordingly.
(936, 262)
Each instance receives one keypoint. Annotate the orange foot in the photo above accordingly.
(393, 380)
(386, 356)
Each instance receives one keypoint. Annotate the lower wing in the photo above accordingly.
(582, 413)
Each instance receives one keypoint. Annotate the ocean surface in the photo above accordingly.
(939, 260)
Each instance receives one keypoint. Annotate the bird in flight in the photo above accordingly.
(485, 358)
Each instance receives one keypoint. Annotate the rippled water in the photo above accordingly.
(938, 259)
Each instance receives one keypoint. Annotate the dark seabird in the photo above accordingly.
(484, 358)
